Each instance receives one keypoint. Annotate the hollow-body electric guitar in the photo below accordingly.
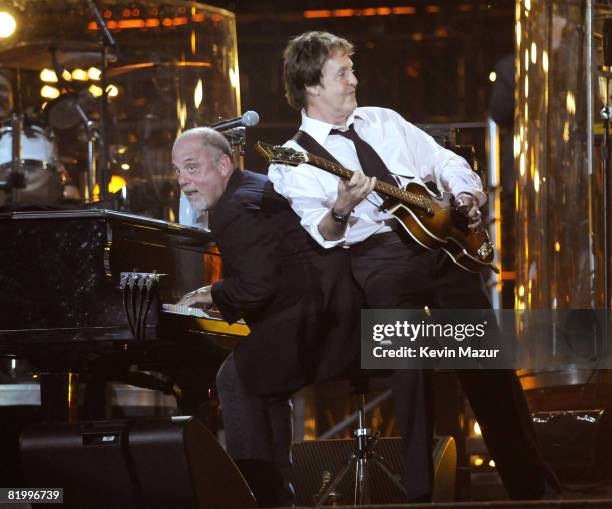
(431, 220)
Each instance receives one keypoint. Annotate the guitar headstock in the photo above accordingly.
(281, 155)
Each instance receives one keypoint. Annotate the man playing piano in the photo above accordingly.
(298, 299)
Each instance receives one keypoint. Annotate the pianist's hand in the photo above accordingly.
(200, 297)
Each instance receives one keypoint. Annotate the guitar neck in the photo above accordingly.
(414, 199)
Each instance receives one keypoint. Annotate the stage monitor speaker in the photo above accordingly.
(317, 460)
(577, 443)
(151, 463)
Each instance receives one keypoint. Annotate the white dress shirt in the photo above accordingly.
(410, 155)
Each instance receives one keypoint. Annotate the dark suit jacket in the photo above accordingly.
(299, 299)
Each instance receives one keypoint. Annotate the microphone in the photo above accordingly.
(249, 119)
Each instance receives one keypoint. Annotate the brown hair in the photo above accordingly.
(303, 61)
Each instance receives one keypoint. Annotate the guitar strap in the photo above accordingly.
(371, 163)
(309, 144)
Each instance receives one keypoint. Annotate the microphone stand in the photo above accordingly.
(106, 42)
(16, 178)
(92, 137)
(606, 113)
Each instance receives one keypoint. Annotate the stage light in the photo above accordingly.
(492, 76)
(566, 132)
(49, 92)
(476, 429)
(125, 166)
(80, 75)
(526, 60)
(476, 461)
(94, 73)
(492, 463)
(112, 91)
(198, 94)
(570, 103)
(8, 25)
(66, 75)
(48, 76)
(95, 90)
(233, 76)
(116, 184)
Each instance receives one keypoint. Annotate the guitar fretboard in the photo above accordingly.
(411, 198)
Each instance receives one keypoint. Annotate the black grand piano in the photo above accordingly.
(82, 294)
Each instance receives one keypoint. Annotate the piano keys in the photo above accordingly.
(209, 320)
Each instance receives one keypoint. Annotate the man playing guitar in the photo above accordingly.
(394, 271)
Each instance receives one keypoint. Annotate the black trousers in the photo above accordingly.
(258, 433)
(398, 273)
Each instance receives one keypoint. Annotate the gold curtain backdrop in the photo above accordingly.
(560, 211)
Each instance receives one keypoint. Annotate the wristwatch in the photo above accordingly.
(339, 218)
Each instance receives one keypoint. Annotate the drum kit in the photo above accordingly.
(31, 171)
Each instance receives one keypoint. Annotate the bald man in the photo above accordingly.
(298, 299)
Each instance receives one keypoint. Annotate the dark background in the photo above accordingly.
(428, 60)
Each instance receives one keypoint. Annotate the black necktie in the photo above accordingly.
(371, 163)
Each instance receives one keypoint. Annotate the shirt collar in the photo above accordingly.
(319, 130)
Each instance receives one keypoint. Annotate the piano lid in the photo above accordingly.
(60, 270)
(134, 219)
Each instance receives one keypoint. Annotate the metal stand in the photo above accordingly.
(91, 129)
(363, 454)
(106, 42)
(16, 178)
(606, 113)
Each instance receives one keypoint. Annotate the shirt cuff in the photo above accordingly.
(479, 196)
(312, 227)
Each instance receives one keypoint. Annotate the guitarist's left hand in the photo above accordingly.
(468, 206)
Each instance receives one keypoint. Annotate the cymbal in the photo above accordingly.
(116, 71)
(36, 56)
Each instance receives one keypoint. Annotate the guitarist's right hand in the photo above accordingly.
(352, 192)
